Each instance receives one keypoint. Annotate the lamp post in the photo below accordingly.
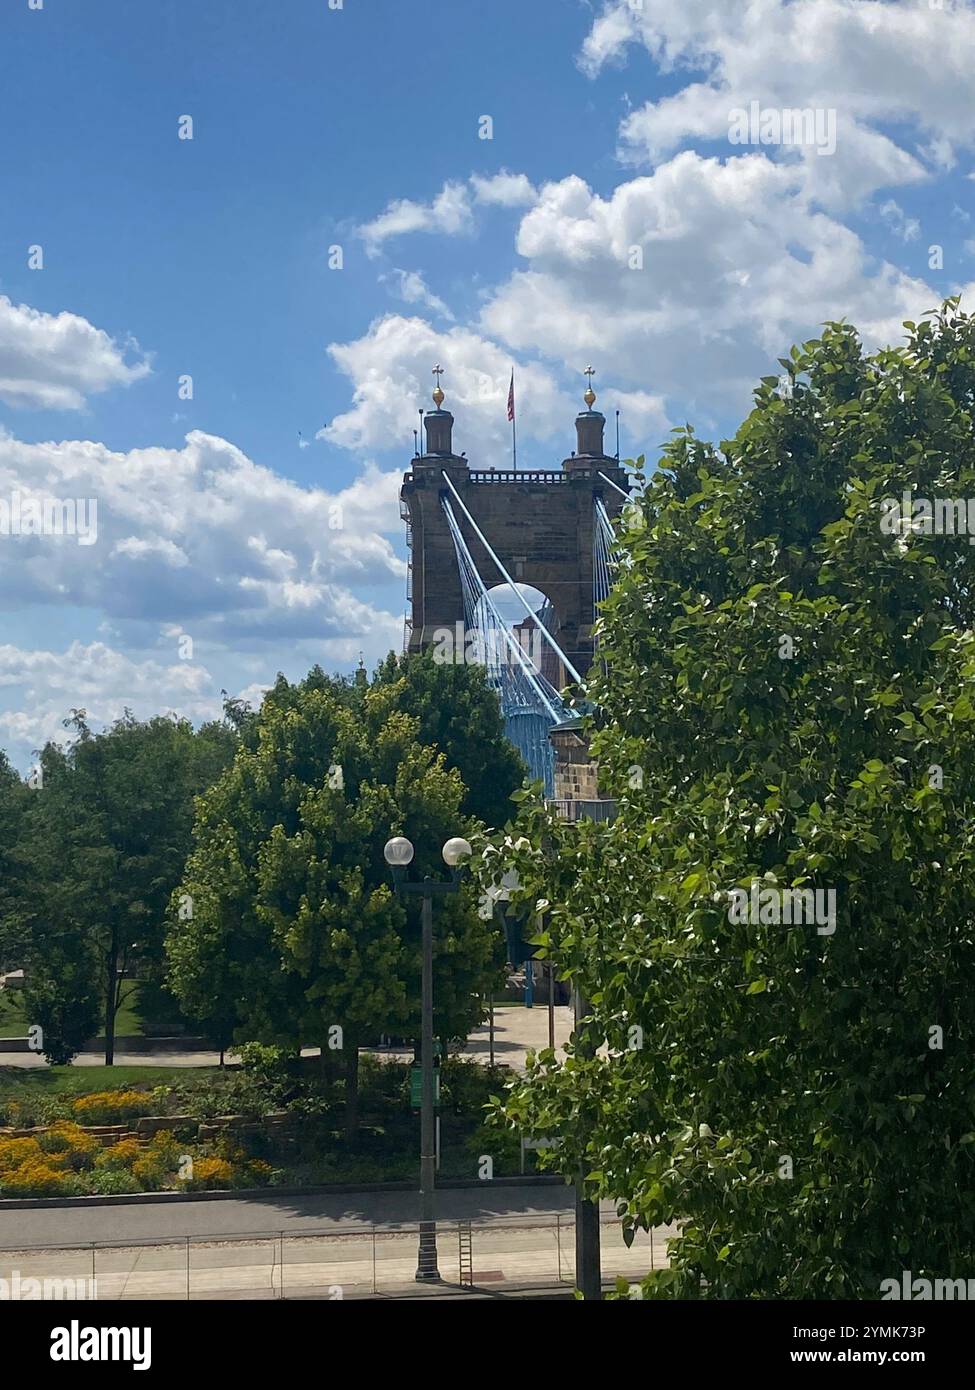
(399, 855)
(589, 1276)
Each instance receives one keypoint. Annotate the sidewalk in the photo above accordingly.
(516, 1030)
(507, 1255)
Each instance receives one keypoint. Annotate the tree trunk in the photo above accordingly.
(222, 1055)
(352, 1091)
(110, 1003)
(329, 1063)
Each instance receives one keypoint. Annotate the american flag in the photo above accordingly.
(511, 396)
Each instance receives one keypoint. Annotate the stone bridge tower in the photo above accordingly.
(539, 523)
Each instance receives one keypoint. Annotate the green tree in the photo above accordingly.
(293, 928)
(459, 714)
(107, 838)
(785, 702)
(14, 803)
(60, 994)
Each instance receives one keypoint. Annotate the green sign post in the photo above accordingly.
(416, 1086)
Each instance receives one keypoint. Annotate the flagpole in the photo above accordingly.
(512, 411)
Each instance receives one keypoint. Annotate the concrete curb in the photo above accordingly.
(250, 1194)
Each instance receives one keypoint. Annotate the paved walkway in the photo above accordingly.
(516, 1031)
(351, 1266)
(333, 1246)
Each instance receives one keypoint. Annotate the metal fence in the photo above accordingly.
(504, 1254)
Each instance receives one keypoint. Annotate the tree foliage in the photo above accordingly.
(293, 930)
(14, 802)
(459, 715)
(801, 1101)
(106, 838)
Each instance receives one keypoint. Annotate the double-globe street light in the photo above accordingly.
(399, 855)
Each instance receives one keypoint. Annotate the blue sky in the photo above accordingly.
(360, 128)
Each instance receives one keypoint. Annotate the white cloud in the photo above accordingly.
(410, 286)
(100, 680)
(449, 214)
(907, 228)
(612, 32)
(203, 537)
(55, 361)
(737, 265)
(40, 686)
(875, 64)
(643, 416)
(743, 253)
(391, 365)
(504, 190)
(170, 553)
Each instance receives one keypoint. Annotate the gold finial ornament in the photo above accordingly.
(438, 393)
(590, 396)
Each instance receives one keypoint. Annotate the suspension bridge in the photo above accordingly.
(478, 539)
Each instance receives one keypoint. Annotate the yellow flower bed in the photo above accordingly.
(14, 1152)
(65, 1160)
(69, 1146)
(159, 1161)
(121, 1155)
(111, 1107)
(52, 1165)
(36, 1178)
(251, 1172)
(209, 1173)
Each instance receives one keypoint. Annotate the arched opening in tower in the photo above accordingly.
(526, 629)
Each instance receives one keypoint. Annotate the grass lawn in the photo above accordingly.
(77, 1081)
(13, 1022)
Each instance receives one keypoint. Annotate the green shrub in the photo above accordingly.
(27, 1111)
(501, 1145)
(150, 1174)
(269, 1064)
(236, 1093)
(467, 1086)
(113, 1182)
(382, 1078)
(160, 1160)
